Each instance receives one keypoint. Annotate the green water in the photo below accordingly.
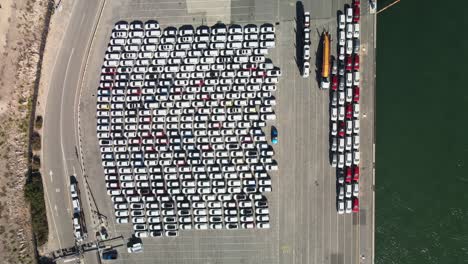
(422, 132)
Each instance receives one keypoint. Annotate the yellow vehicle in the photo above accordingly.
(325, 84)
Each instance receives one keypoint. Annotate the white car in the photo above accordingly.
(349, 46)
(356, 78)
(334, 144)
(341, 206)
(306, 69)
(356, 30)
(333, 115)
(349, 31)
(349, 79)
(349, 15)
(356, 158)
(121, 26)
(349, 95)
(341, 113)
(341, 21)
(341, 161)
(334, 160)
(349, 206)
(334, 99)
(306, 52)
(342, 38)
(267, 29)
(356, 142)
(121, 220)
(349, 190)
(349, 159)
(349, 143)
(349, 127)
(341, 54)
(356, 110)
(341, 193)
(306, 19)
(341, 145)
(334, 129)
(341, 98)
(356, 126)
(355, 189)
(121, 213)
(306, 35)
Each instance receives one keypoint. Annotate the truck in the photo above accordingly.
(325, 83)
(135, 248)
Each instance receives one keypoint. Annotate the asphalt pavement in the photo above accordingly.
(60, 140)
(305, 225)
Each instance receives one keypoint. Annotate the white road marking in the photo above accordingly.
(64, 160)
(57, 190)
(82, 19)
(53, 218)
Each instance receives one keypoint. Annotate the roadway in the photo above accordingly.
(60, 139)
(305, 225)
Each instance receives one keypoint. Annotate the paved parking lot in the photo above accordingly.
(305, 227)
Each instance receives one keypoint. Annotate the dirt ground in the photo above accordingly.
(21, 26)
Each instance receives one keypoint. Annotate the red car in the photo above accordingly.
(110, 70)
(355, 205)
(349, 111)
(356, 174)
(356, 14)
(348, 175)
(356, 94)
(349, 63)
(356, 62)
(334, 82)
(341, 129)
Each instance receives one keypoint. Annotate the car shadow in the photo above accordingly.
(300, 36)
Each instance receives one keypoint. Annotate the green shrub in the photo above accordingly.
(36, 141)
(38, 122)
(34, 193)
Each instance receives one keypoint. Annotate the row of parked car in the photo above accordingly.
(155, 218)
(345, 110)
(129, 39)
(181, 136)
(306, 44)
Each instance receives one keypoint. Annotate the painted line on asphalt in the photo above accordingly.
(52, 215)
(64, 160)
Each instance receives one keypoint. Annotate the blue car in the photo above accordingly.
(274, 135)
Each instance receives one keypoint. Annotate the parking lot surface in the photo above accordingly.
(305, 227)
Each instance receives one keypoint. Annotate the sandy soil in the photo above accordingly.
(21, 25)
